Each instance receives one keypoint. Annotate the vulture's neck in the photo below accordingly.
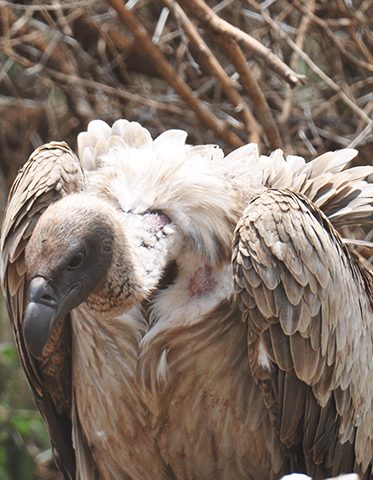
(144, 245)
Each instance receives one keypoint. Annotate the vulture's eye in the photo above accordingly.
(76, 261)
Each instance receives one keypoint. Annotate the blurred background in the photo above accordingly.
(295, 74)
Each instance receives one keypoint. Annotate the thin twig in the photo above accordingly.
(200, 10)
(220, 127)
(52, 53)
(115, 92)
(301, 35)
(43, 6)
(210, 61)
(331, 84)
(321, 23)
(362, 135)
(249, 82)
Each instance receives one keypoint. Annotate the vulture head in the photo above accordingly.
(79, 252)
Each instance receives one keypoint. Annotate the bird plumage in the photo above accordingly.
(152, 354)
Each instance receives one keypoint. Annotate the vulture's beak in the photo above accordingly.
(40, 316)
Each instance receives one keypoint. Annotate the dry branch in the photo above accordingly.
(301, 36)
(52, 53)
(326, 29)
(60, 55)
(114, 92)
(210, 61)
(200, 10)
(362, 135)
(220, 127)
(249, 82)
(322, 75)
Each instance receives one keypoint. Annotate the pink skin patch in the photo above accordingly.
(202, 282)
(157, 221)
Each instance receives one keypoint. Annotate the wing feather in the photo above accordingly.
(51, 172)
(314, 326)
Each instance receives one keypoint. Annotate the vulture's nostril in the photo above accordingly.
(41, 292)
(47, 298)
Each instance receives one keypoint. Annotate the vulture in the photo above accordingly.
(185, 315)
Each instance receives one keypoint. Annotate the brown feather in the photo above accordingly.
(38, 184)
(318, 332)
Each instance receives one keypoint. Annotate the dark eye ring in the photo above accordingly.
(77, 260)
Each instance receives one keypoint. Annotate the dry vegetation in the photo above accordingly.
(295, 74)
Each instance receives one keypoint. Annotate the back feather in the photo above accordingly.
(341, 193)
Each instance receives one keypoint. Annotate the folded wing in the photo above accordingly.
(308, 307)
(51, 172)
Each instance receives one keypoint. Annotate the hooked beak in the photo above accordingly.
(40, 316)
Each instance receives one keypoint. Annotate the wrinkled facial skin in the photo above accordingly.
(66, 260)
